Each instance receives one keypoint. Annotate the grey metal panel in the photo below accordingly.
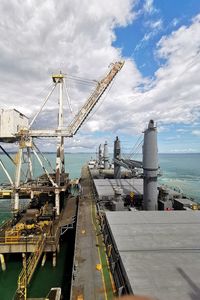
(104, 187)
(146, 217)
(167, 276)
(154, 237)
(159, 251)
(185, 201)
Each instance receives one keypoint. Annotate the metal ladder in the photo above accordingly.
(28, 269)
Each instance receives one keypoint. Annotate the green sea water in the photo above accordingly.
(178, 170)
(43, 279)
(182, 171)
(47, 277)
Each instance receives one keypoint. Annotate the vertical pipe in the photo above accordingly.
(117, 155)
(60, 126)
(58, 164)
(60, 139)
(150, 167)
(32, 194)
(43, 260)
(3, 264)
(106, 156)
(100, 155)
(54, 259)
(60, 168)
(57, 201)
(30, 167)
(17, 179)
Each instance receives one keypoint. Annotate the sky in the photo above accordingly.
(159, 42)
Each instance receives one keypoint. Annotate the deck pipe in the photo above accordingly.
(118, 202)
(117, 155)
(106, 156)
(57, 201)
(118, 193)
(54, 259)
(150, 167)
(3, 264)
(43, 260)
(100, 155)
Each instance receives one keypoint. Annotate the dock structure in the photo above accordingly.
(91, 275)
(33, 246)
(155, 253)
(12, 242)
(14, 126)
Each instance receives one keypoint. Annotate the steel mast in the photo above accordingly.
(60, 160)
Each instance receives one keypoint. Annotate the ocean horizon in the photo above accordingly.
(179, 170)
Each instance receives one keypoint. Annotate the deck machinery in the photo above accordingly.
(42, 234)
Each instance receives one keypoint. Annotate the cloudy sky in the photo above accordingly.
(159, 41)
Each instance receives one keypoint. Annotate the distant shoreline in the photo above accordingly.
(93, 153)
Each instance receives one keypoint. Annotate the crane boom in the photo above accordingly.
(93, 99)
(85, 110)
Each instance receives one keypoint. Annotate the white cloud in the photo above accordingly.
(185, 150)
(196, 132)
(182, 130)
(173, 96)
(157, 24)
(149, 7)
(38, 38)
(175, 22)
(172, 138)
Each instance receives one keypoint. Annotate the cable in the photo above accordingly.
(7, 154)
(44, 157)
(136, 146)
(138, 149)
(68, 98)
(41, 108)
(81, 79)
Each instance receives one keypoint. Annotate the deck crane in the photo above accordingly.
(26, 135)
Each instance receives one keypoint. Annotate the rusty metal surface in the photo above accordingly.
(69, 211)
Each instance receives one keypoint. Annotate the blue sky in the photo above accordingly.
(158, 40)
(138, 41)
(165, 17)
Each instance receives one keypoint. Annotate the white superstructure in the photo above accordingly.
(11, 121)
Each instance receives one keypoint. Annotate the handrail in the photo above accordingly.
(29, 268)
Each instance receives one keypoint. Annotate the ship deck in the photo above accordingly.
(91, 276)
(157, 253)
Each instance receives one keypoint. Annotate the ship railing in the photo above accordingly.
(18, 239)
(2, 240)
(21, 240)
(13, 236)
(116, 266)
(50, 239)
